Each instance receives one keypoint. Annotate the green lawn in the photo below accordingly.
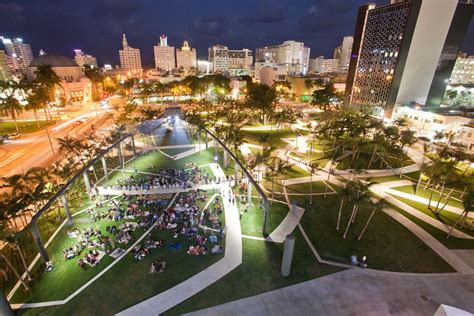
(24, 126)
(427, 193)
(251, 222)
(452, 243)
(362, 162)
(445, 216)
(67, 276)
(305, 188)
(386, 243)
(274, 137)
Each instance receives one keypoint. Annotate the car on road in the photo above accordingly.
(13, 135)
(78, 122)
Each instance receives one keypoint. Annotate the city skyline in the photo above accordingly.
(321, 25)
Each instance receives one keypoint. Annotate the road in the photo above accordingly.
(31, 150)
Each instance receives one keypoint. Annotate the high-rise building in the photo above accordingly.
(164, 55)
(404, 52)
(289, 53)
(5, 73)
(82, 58)
(186, 57)
(223, 59)
(463, 71)
(337, 52)
(323, 65)
(130, 57)
(345, 53)
(20, 53)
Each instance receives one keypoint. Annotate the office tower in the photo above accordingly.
(164, 55)
(130, 57)
(5, 73)
(20, 53)
(83, 59)
(323, 65)
(463, 71)
(337, 52)
(291, 53)
(186, 57)
(223, 59)
(404, 52)
(345, 53)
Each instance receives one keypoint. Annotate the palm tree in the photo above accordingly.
(407, 138)
(378, 205)
(262, 99)
(468, 204)
(70, 145)
(358, 190)
(276, 167)
(10, 265)
(46, 77)
(345, 193)
(11, 106)
(312, 166)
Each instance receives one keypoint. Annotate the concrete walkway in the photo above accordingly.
(232, 259)
(379, 189)
(357, 292)
(419, 199)
(447, 254)
(179, 189)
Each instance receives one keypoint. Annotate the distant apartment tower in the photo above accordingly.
(5, 73)
(130, 57)
(82, 58)
(345, 53)
(164, 55)
(323, 65)
(20, 53)
(223, 59)
(404, 52)
(337, 53)
(186, 57)
(289, 53)
(463, 71)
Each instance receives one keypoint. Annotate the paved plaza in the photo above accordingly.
(358, 292)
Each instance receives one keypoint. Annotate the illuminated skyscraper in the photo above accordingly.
(130, 57)
(186, 57)
(83, 59)
(19, 52)
(164, 55)
(291, 53)
(5, 73)
(404, 52)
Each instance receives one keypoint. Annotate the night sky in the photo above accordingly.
(96, 26)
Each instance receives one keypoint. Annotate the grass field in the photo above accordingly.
(24, 126)
(386, 243)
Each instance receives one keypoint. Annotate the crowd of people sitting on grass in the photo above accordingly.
(89, 239)
(165, 178)
(168, 178)
(211, 215)
(182, 219)
(126, 208)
